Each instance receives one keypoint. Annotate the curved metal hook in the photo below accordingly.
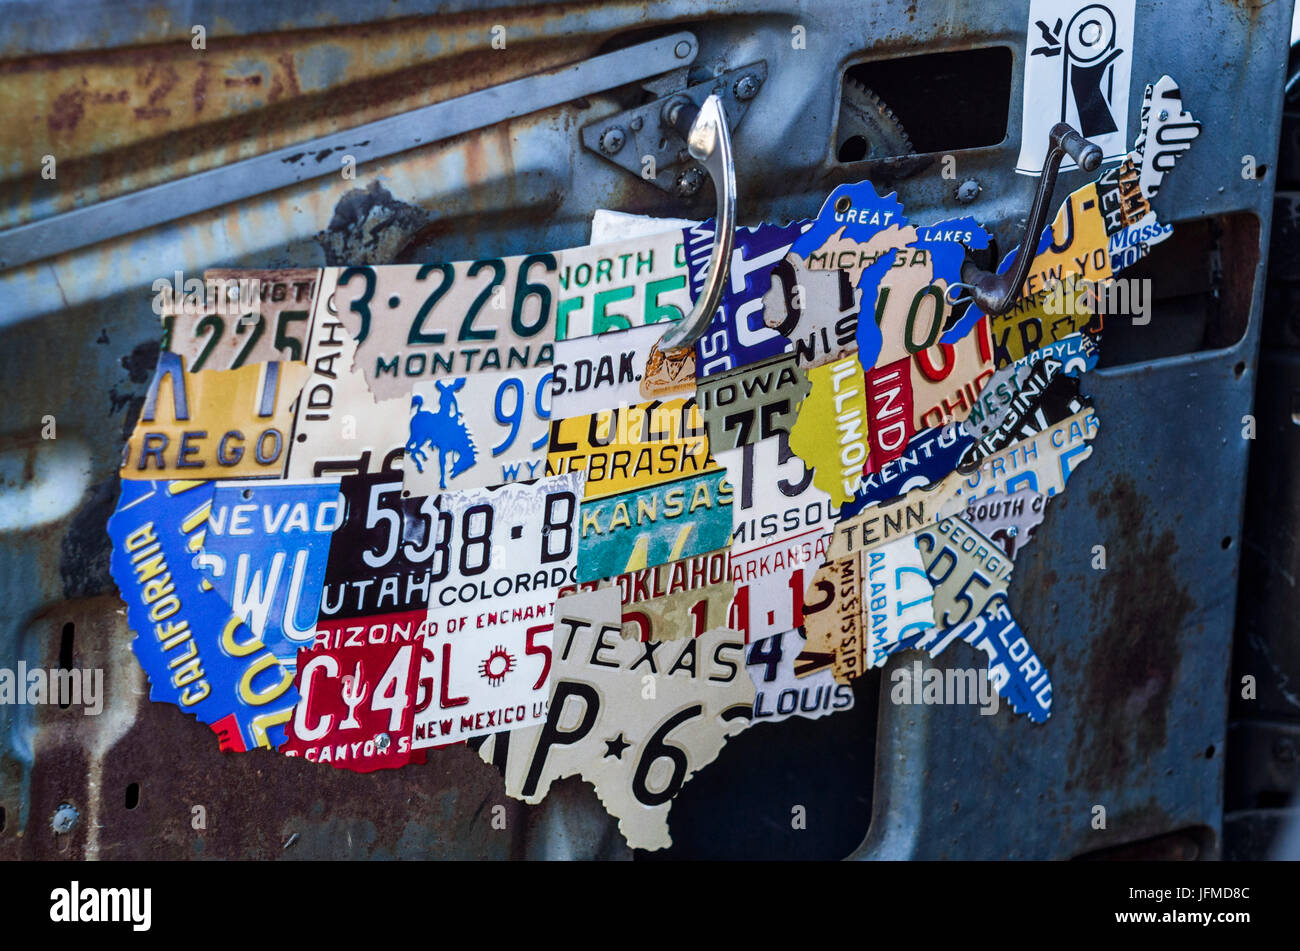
(709, 142)
(996, 293)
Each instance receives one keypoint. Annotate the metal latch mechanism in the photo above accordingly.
(649, 143)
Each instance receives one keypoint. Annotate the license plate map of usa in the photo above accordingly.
(393, 508)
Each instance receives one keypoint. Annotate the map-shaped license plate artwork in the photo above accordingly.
(475, 502)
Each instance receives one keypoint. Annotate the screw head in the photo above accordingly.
(382, 742)
(967, 191)
(611, 140)
(1164, 114)
(746, 87)
(1284, 749)
(636, 123)
(689, 181)
(64, 818)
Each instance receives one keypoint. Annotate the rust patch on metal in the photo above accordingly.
(117, 127)
(253, 804)
(1130, 671)
(370, 226)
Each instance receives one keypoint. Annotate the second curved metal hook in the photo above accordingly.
(709, 142)
(996, 293)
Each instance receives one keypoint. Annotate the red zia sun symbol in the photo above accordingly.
(496, 665)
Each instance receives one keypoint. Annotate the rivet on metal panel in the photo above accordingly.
(746, 87)
(689, 181)
(64, 818)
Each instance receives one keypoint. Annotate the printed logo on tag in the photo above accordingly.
(1078, 63)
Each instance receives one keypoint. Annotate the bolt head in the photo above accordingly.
(968, 190)
(64, 818)
(611, 140)
(746, 87)
(689, 181)
(636, 123)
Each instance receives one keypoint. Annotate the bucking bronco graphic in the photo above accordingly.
(443, 430)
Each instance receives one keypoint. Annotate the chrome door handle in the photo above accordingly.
(709, 141)
(996, 293)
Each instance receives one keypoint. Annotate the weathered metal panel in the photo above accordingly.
(1140, 651)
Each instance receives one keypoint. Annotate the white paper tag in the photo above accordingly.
(1078, 62)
